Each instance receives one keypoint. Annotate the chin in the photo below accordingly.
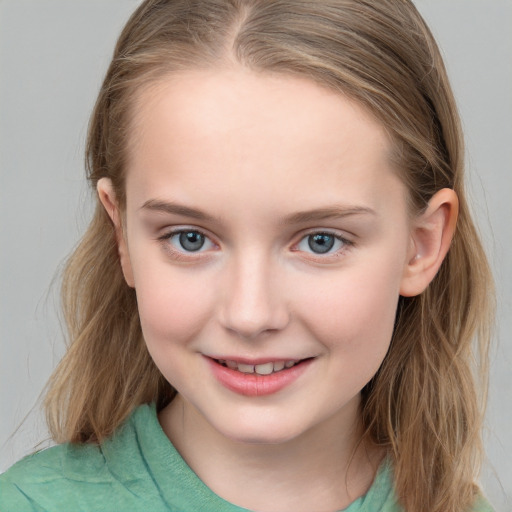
(259, 432)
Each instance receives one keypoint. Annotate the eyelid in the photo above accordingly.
(174, 230)
(340, 235)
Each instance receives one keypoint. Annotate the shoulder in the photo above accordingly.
(79, 461)
(382, 496)
(28, 484)
(481, 505)
(79, 477)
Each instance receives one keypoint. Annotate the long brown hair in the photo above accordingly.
(423, 405)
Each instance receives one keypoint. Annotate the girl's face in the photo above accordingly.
(265, 228)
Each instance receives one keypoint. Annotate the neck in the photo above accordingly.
(328, 460)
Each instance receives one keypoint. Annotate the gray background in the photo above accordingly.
(53, 54)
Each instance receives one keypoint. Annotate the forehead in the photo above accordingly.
(239, 128)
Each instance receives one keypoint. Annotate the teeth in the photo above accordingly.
(278, 366)
(260, 369)
(245, 368)
(264, 369)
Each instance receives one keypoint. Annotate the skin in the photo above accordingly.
(250, 151)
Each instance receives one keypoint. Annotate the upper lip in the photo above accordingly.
(258, 360)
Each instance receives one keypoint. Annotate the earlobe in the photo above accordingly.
(431, 236)
(107, 197)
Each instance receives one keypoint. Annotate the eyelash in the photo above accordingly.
(185, 255)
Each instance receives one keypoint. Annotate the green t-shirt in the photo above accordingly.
(137, 469)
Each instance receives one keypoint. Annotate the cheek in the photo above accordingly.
(354, 313)
(172, 307)
(354, 323)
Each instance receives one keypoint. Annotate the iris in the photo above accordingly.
(191, 240)
(321, 243)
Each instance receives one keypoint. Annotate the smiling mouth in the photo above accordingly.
(268, 368)
(257, 380)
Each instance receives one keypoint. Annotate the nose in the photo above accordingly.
(254, 300)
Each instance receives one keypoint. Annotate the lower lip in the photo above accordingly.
(252, 384)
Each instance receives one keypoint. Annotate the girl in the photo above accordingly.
(274, 306)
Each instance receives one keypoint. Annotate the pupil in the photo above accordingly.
(191, 240)
(321, 243)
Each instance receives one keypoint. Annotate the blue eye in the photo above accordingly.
(189, 241)
(321, 243)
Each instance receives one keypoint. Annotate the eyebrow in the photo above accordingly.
(331, 212)
(176, 209)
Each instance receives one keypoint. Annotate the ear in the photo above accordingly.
(431, 236)
(107, 196)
